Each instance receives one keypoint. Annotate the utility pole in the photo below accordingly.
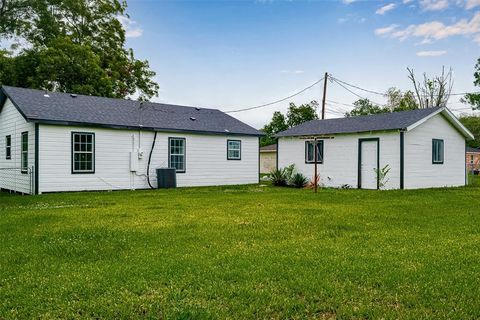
(324, 94)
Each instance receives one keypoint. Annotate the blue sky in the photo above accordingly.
(235, 54)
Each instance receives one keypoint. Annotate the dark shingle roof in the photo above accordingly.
(269, 148)
(473, 150)
(64, 108)
(377, 122)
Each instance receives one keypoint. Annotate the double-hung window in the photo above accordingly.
(309, 151)
(24, 152)
(8, 147)
(234, 150)
(176, 154)
(437, 151)
(83, 152)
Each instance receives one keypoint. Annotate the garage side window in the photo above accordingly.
(309, 153)
(176, 154)
(8, 147)
(234, 150)
(83, 152)
(437, 151)
(24, 152)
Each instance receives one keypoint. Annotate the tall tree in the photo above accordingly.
(400, 101)
(363, 107)
(473, 124)
(60, 33)
(295, 116)
(432, 92)
(474, 98)
(302, 113)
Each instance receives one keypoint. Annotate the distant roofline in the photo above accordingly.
(436, 110)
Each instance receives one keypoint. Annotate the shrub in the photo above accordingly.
(278, 177)
(298, 180)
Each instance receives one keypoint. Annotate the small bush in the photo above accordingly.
(298, 180)
(278, 177)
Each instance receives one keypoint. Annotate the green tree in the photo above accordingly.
(363, 107)
(302, 113)
(400, 101)
(60, 34)
(474, 98)
(295, 116)
(472, 123)
(276, 125)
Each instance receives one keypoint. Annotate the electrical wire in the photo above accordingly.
(384, 94)
(356, 94)
(279, 100)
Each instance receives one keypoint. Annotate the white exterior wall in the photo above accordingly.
(419, 170)
(340, 165)
(12, 123)
(206, 159)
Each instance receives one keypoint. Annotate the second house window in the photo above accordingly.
(83, 152)
(234, 150)
(309, 153)
(176, 154)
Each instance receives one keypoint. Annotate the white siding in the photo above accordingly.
(206, 160)
(340, 165)
(12, 123)
(419, 170)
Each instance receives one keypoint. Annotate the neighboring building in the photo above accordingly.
(423, 148)
(268, 158)
(52, 142)
(473, 159)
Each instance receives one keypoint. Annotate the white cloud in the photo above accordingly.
(470, 4)
(431, 53)
(298, 71)
(348, 1)
(130, 26)
(433, 5)
(386, 8)
(435, 30)
(407, 1)
(386, 30)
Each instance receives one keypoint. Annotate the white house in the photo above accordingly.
(51, 142)
(423, 148)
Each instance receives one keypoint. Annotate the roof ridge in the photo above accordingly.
(109, 98)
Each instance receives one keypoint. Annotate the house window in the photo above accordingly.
(437, 151)
(176, 154)
(83, 152)
(471, 159)
(309, 155)
(8, 147)
(24, 153)
(234, 150)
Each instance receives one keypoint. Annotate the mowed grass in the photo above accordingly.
(241, 252)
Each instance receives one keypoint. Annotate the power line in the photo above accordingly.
(354, 93)
(384, 94)
(279, 100)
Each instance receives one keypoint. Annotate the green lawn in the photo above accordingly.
(241, 252)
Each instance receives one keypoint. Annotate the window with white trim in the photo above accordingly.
(24, 152)
(83, 152)
(437, 151)
(234, 150)
(309, 153)
(8, 147)
(176, 154)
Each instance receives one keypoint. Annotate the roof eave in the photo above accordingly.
(451, 117)
(112, 126)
